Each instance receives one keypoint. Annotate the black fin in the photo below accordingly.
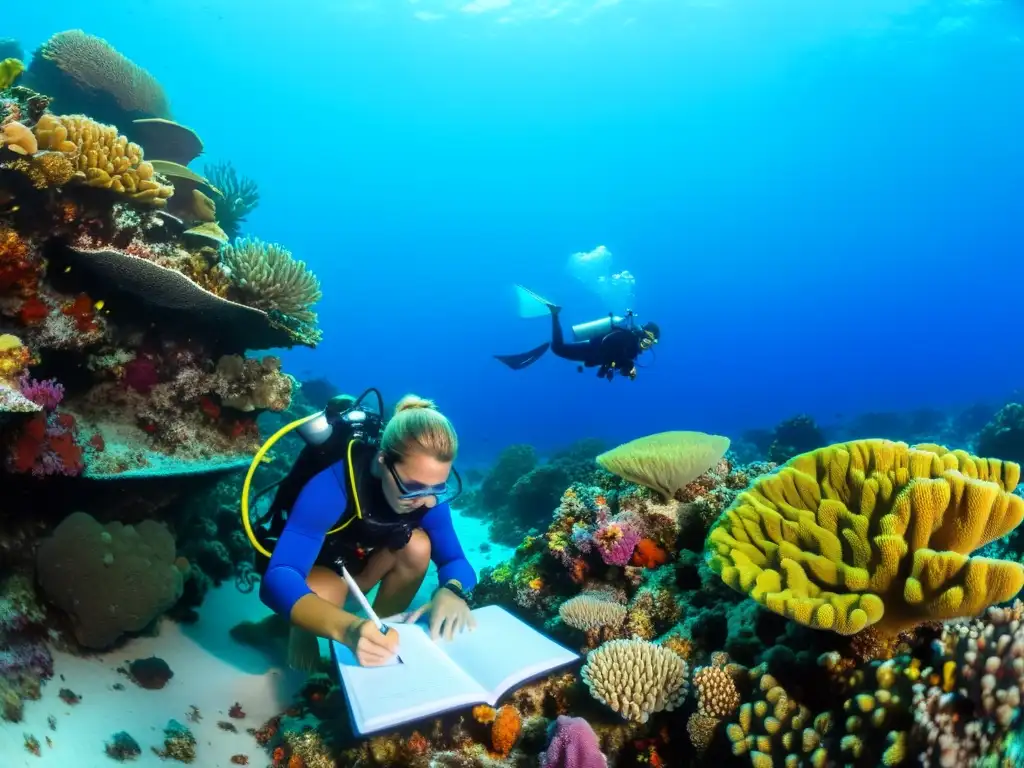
(523, 359)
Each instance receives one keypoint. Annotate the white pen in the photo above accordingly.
(354, 589)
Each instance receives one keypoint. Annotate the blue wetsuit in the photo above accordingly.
(315, 512)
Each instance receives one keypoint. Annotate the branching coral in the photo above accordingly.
(102, 158)
(872, 533)
(635, 678)
(592, 611)
(978, 667)
(269, 278)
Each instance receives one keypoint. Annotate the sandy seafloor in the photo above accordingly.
(211, 672)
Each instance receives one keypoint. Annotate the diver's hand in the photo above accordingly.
(448, 613)
(371, 647)
(632, 373)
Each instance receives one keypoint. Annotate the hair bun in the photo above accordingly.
(412, 402)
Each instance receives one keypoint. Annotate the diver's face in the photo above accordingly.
(417, 474)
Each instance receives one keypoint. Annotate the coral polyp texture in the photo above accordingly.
(665, 462)
(872, 533)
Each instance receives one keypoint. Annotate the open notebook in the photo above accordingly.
(476, 667)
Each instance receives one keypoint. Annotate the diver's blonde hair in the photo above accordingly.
(418, 427)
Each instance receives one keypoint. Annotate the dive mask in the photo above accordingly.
(445, 492)
(647, 340)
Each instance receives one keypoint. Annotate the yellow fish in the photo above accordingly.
(99, 305)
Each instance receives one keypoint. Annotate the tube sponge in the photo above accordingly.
(665, 462)
(872, 533)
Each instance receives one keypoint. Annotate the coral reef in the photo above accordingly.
(872, 534)
(238, 197)
(85, 74)
(109, 579)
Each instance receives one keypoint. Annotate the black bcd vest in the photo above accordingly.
(379, 526)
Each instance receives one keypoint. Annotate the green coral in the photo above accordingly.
(10, 70)
(267, 276)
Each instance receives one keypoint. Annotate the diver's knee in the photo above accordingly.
(416, 553)
(327, 585)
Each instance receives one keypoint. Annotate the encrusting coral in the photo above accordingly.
(872, 533)
(110, 579)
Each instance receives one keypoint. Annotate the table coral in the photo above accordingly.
(665, 462)
(872, 532)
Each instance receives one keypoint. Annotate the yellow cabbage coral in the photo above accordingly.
(872, 533)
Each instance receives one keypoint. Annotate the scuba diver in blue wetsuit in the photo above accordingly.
(373, 498)
(611, 344)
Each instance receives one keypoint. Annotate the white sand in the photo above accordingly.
(211, 671)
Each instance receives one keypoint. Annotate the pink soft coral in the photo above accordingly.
(616, 541)
(48, 394)
(573, 745)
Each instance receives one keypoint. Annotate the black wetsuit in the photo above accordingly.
(616, 350)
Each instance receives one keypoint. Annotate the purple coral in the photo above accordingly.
(616, 541)
(46, 394)
(573, 745)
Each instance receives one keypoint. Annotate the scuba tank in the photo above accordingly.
(598, 328)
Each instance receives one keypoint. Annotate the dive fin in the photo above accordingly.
(532, 305)
(520, 361)
(303, 651)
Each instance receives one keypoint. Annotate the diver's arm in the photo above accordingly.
(284, 588)
(446, 550)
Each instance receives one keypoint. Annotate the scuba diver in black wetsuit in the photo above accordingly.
(611, 344)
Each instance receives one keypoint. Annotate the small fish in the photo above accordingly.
(67, 269)
(99, 305)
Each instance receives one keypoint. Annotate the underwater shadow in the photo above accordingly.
(233, 628)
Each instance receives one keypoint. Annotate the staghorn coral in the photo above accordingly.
(635, 678)
(103, 158)
(665, 462)
(872, 532)
(271, 279)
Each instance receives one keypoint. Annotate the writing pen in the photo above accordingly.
(354, 589)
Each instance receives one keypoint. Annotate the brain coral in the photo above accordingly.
(872, 532)
(110, 579)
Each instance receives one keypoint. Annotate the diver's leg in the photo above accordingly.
(576, 350)
(400, 574)
(304, 646)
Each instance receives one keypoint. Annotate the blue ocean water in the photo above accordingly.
(820, 202)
